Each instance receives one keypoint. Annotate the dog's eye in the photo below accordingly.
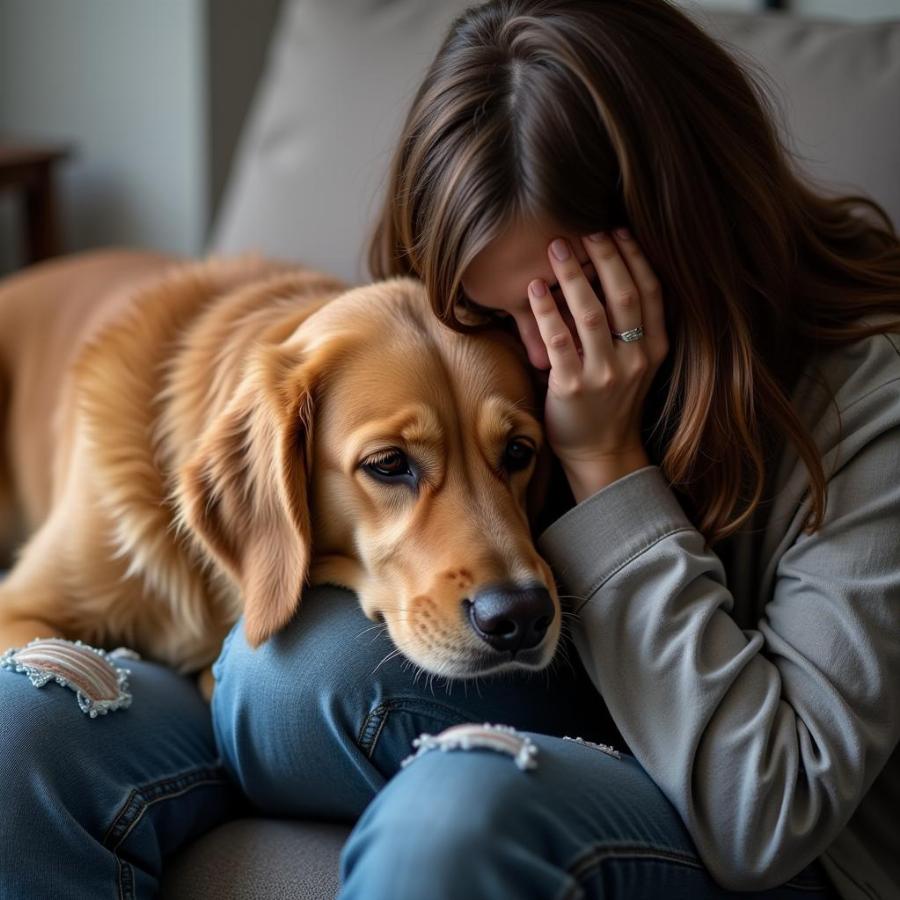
(392, 465)
(518, 455)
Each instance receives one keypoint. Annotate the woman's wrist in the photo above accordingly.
(588, 476)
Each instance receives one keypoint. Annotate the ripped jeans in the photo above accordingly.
(90, 807)
(320, 722)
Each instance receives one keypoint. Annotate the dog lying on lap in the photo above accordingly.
(187, 442)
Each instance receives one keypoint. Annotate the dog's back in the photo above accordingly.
(47, 312)
(89, 345)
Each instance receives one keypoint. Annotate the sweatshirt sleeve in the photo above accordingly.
(764, 739)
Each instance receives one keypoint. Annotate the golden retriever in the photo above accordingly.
(186, 441)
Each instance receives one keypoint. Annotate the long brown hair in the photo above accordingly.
(593, 113)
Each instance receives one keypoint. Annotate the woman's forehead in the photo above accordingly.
(518, 254)
(519, 242)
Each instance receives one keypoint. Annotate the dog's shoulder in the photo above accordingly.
(169, 341)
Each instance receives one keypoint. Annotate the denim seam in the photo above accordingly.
(139, 800)
(592, 859)
(374, 723)
(365, 741)
(125, 878)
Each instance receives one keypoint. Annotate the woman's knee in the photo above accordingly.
(59, 764)
(317, 660)
(45, 764)
(39, 747)
(465, 803)
(289, 713)
(76, 788)
(477, 803)
(319, 645)
(50, 742)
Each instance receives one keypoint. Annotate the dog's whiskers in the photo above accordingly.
(390, 655)
(578, 597)
(372, 628)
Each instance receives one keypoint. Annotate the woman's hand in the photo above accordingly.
(597, 383)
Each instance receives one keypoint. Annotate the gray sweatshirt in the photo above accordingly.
(763, 700)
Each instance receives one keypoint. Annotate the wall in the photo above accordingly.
(151, 92)
(124, 81)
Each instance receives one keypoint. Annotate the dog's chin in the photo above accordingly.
(478, 665)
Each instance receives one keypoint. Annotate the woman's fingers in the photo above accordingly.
(594, 401)
(622, 293)
(587, 310)
(577, 331)
(531, 337)
(565, 363)
(650, 291)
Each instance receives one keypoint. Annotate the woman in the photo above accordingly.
(724, 400)
(729, 551)
(720, 343)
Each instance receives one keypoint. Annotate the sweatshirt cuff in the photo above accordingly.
(587, 545)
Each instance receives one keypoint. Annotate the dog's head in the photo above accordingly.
(376, 449)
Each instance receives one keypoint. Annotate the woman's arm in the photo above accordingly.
(764, 739)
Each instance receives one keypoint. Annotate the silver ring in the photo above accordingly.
(633, 334)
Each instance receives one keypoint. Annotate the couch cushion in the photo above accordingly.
(258, 859)
(332, 98)
(838, 86)
(313, 159)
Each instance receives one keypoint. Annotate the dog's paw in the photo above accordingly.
(99, 682)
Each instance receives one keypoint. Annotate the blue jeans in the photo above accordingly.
(316, 722)
(312, 725)
(90, 807)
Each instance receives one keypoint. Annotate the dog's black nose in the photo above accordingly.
(511, 618)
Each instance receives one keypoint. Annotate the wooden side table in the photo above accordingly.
(29, 169)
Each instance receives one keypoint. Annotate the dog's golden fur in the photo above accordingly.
(183, 442)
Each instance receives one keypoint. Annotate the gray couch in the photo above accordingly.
(311, 167)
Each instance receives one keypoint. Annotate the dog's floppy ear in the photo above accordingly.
(244, 492)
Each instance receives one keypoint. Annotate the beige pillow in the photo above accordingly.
(311, 167)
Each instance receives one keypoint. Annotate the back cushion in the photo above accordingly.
(311, 167)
